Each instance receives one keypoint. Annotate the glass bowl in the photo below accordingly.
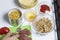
(27, 5)
(44, 3)
(28, 14)
(40, 17)
(15, 22)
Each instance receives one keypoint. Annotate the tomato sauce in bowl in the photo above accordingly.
(44, 8)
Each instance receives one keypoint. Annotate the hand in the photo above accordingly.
(9, 37)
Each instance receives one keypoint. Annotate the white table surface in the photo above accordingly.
(6, 5)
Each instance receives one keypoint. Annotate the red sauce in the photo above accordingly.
(44, 8)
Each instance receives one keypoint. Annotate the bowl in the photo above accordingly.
(15, 22)
(30, 15)
(26, 4)
(44, 3)
(39, 17)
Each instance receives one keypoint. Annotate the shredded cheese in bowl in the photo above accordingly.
(43, 24)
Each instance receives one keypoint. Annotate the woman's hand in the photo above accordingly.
(9, 37)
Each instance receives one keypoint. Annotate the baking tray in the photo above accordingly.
(10, 4)
(57, 14)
